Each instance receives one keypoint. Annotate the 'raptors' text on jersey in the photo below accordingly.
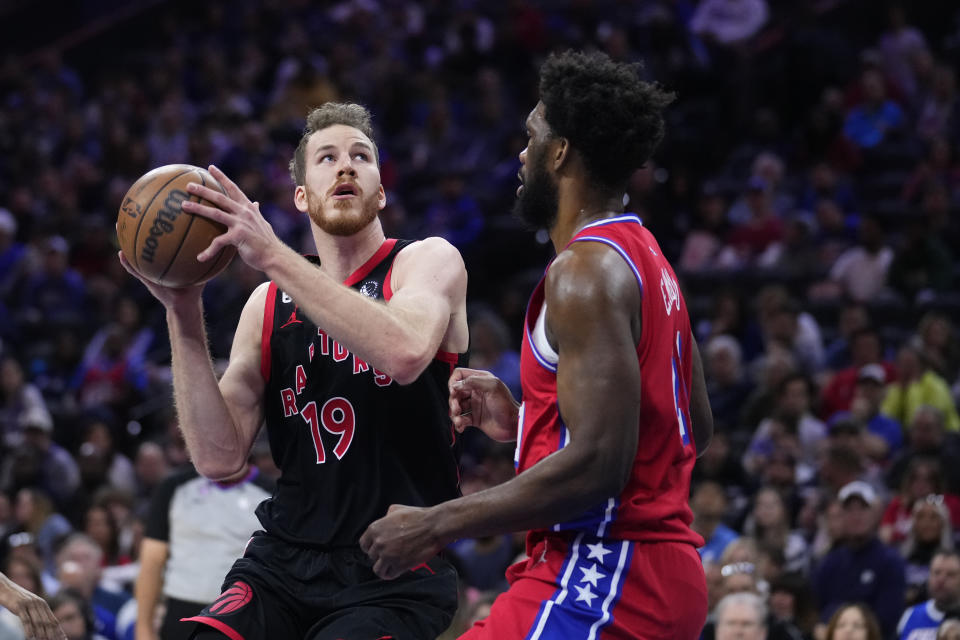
(350, 440)
(653, 506)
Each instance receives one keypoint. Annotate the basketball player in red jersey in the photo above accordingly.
(614, 402)
(346, 356)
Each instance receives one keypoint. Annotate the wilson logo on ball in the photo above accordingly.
(163, 223)
(232, 599)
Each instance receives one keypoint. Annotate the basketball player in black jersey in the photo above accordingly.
(346, 357)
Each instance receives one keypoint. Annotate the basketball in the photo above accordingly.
(161, 240)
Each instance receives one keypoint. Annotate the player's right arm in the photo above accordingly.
(219, 420)
(147, 591)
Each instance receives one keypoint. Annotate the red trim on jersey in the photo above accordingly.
(219, 625)
(387, 288)
(373, 261)
(267, 331)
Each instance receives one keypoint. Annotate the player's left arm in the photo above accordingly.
(593, 320)
(701, 415)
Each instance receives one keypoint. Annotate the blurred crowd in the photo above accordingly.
(807, 193)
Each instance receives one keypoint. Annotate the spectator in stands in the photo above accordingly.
(741, 616)
(729, 22)
(923, 477)
(860, 273)
(786, 325)
(929, 532)
(923, 265)
(709, 505)
(56, 295)
(918, 385)
(872, 121)
(949, 629)
(19, 400)
(861, 568)
(791, 426)
(40, 462)
(853, 622)
(943, 590)
(76, 617)
(754, 235)
(937, 339)
(79, 568)
(727, 386)
(927, 437)
(866, 348)
(12, 255)
(703, 242)
(939, 113)
(884, 435)
(100, 526)
(151, 468)
(769, 524)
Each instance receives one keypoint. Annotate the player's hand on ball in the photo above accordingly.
(399, 541)
(34, 613)
(247, 229)
(480, 399)
(169, 297)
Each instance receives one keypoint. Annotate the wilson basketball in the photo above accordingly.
(161, 240)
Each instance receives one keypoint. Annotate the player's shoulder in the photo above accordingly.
(433, 248)
(586, 271)
(433, 256)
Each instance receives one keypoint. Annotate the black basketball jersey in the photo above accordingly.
(349, 440)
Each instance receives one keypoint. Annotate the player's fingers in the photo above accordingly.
(383, 569)
(460, 423)
(215, 196)
(218, 243)
(366, 541)
(213, 213)
(129, 267)
(228, 185)
(30, 626)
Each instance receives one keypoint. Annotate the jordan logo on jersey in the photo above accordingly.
(670, 291)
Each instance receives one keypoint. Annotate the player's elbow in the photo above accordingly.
(610, 471)
(407, 364)
(217, 470)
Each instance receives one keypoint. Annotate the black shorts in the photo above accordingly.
(279, 590)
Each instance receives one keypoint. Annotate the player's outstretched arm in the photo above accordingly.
(593, 320)
(400, 338)
(700, 412)
(480, 399)
(34, 612)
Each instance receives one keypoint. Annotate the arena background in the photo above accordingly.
(807, 193)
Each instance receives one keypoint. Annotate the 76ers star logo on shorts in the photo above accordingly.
(232, 599)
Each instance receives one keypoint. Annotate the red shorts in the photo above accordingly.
(590, 588)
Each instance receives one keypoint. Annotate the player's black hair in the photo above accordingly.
(610, 116)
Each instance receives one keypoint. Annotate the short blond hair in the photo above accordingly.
(331, 113)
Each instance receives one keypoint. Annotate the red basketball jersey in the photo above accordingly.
(653, 507)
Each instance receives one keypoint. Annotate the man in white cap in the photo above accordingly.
(861, 568)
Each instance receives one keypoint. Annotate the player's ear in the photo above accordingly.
(381, 198)
(561, 153)
(300, 198)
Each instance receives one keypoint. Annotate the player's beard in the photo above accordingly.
(347, 221)
(539, 200)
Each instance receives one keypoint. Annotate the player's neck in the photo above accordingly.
(340, 256)
(579, 206)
